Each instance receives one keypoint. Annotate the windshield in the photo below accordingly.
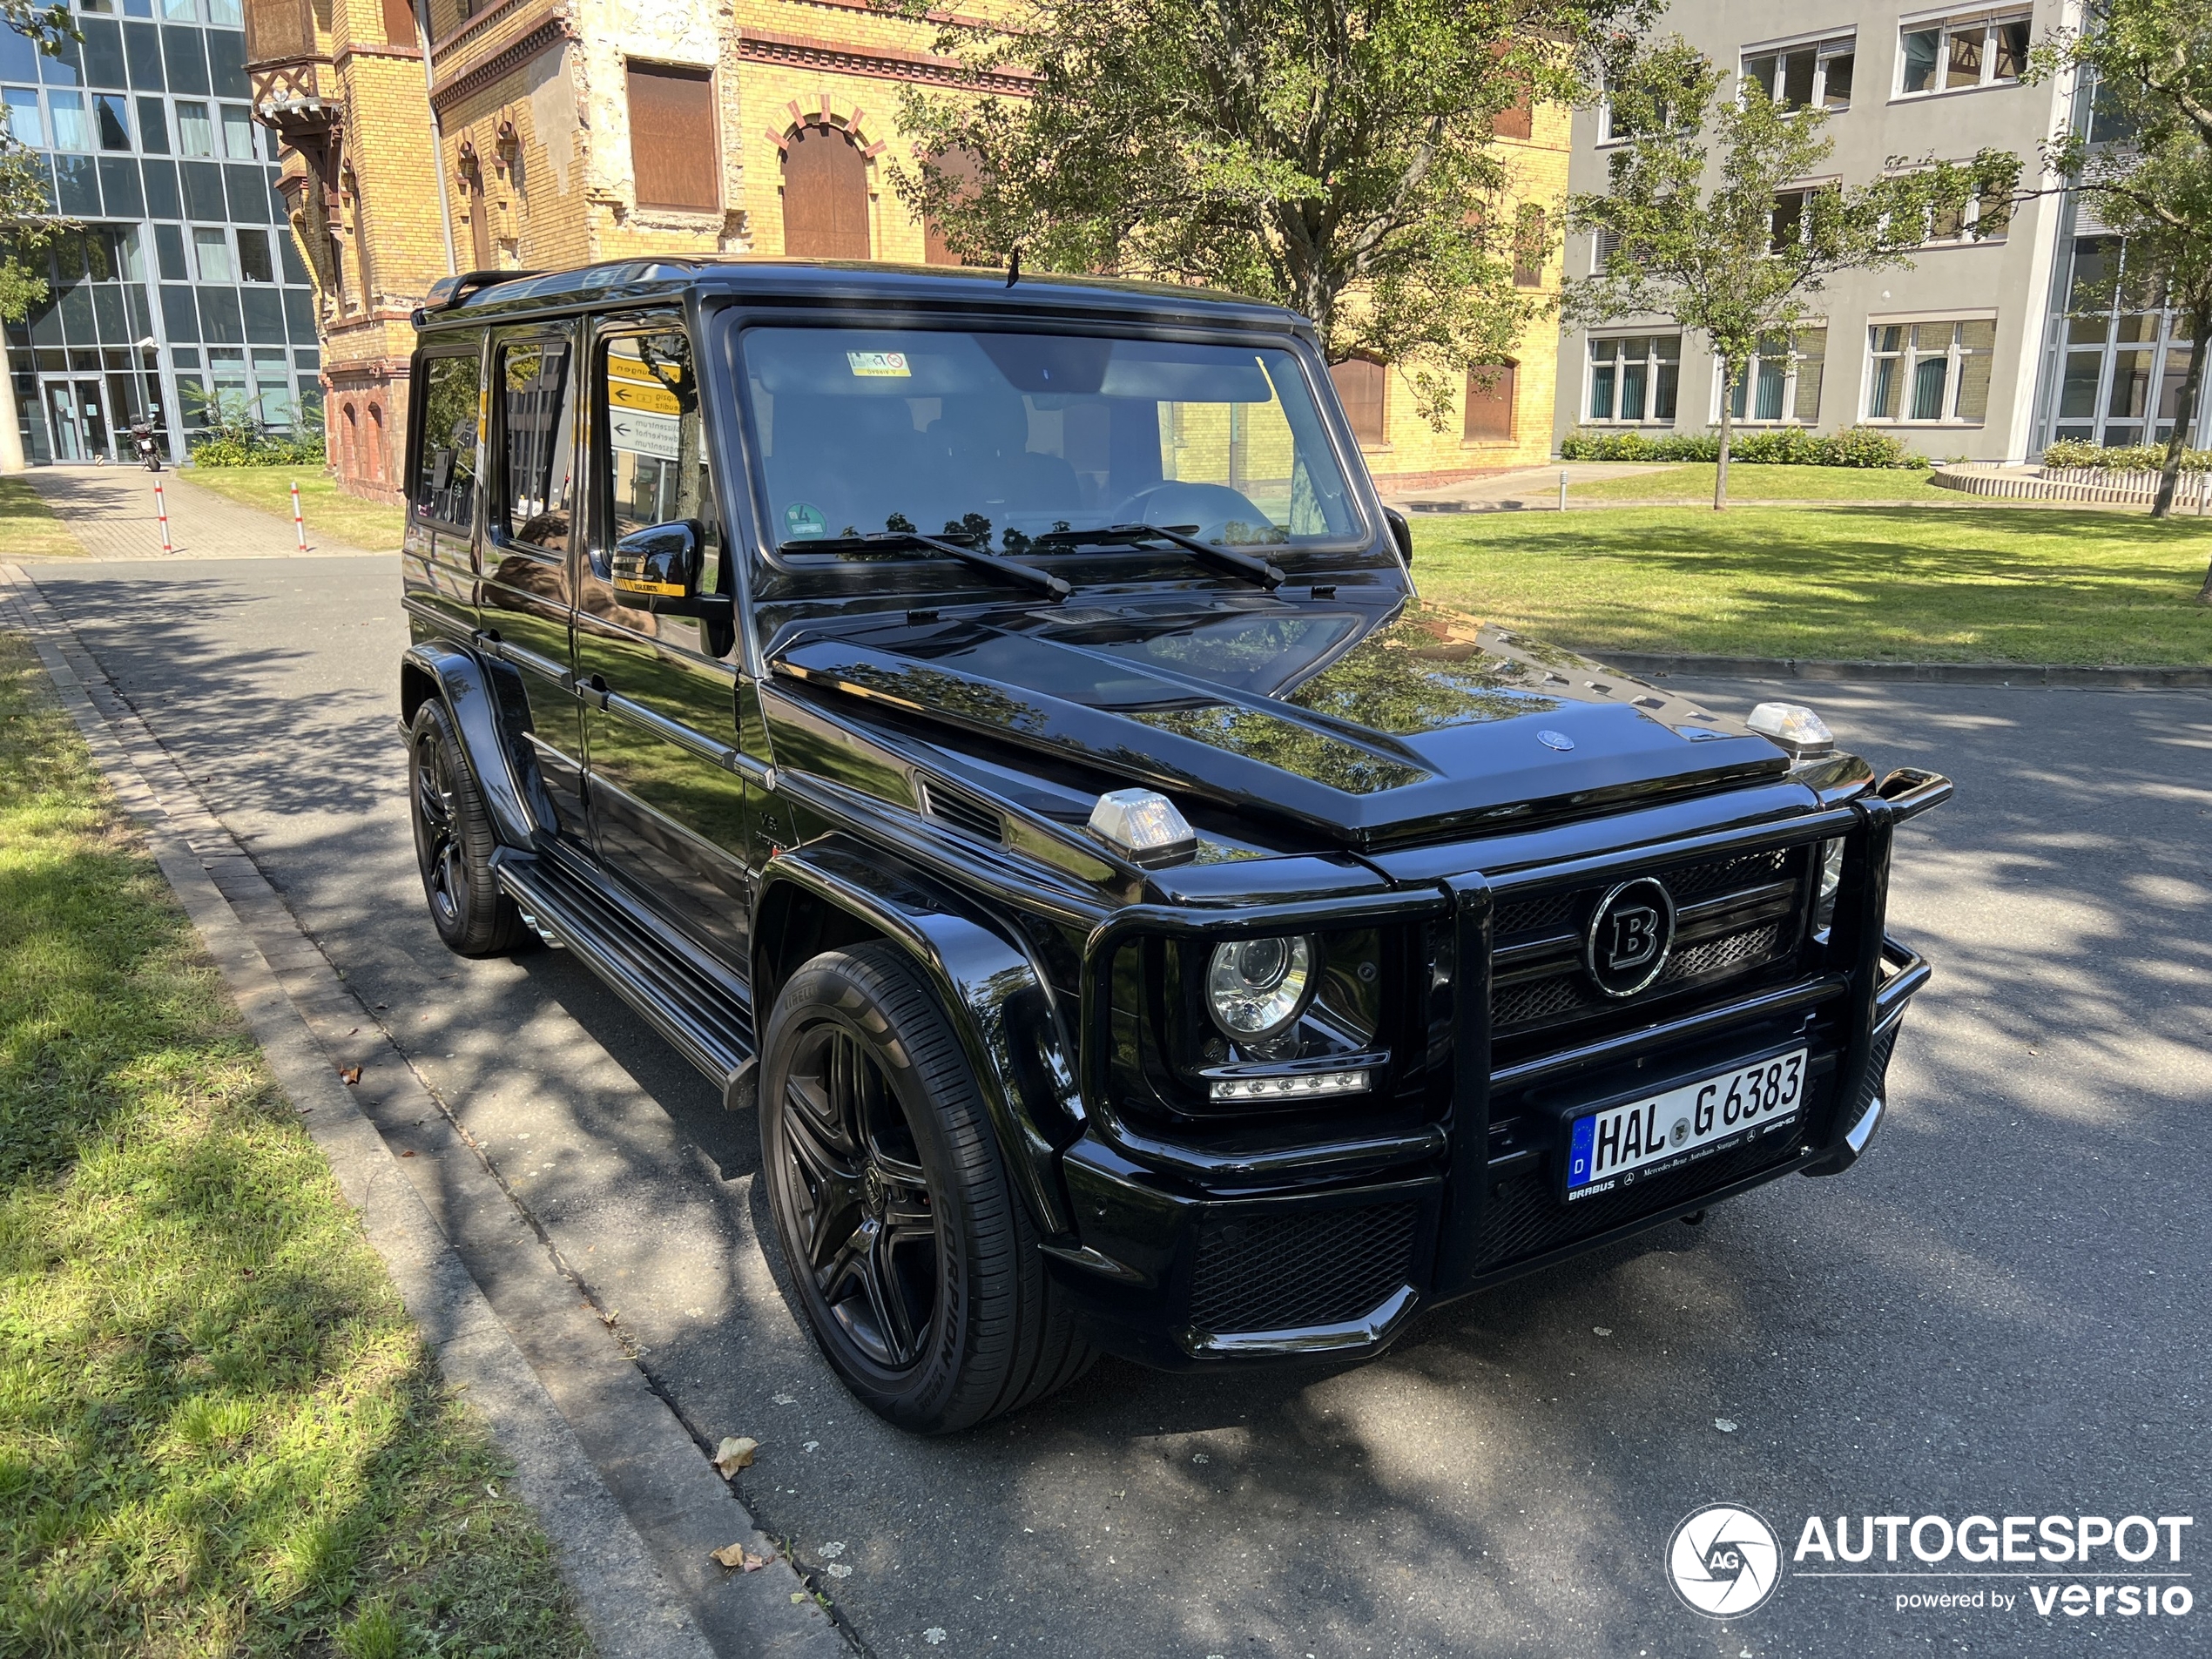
(1001, 439)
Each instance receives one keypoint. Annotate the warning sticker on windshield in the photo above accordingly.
(879, 364)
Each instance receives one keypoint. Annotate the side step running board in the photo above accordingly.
(702, 1010)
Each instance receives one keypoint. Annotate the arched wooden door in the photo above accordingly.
(826, 196)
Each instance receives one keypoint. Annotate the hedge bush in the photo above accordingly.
(234, 438)
(1789, 446)
(2140, 458)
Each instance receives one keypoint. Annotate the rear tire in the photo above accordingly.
(454, 842)
(909, 1250)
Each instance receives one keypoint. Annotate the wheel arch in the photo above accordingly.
(1003, 1014)
(480, 706)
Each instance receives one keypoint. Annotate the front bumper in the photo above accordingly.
(1192, 1255)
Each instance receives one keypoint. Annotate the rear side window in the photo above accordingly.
(537, 429)
(445, 482)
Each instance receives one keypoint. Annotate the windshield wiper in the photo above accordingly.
(1228, 561)
(884, 541)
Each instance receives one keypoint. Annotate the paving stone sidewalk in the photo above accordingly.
(111, 511)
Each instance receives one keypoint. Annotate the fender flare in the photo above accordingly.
(487, 710)
(1004, 1013)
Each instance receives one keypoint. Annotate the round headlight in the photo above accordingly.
(1256, 988)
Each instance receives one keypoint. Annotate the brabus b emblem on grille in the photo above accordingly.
(1631, 935)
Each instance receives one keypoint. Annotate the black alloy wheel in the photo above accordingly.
(454, 842)
(909, 1254)
(861, 1195)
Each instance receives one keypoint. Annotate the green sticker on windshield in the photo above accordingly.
(803, 522)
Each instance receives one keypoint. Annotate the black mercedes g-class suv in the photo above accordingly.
(993, 727)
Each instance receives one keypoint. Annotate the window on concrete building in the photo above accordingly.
(1975, 50)
(1363, 385)
(2124, 356)
(674, 157)
(1782, 382)
(1929, 372)
(1633, 379)
(826, 196)
(1490, 406)
(1809, 75)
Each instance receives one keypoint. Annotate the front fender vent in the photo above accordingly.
(960, 809)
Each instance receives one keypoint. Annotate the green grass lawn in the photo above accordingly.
(1693, 481)
(219, 1433)
(330, 511)
(27, 527)
(1852, 583)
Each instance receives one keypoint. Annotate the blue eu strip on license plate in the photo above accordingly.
(1623, 1145)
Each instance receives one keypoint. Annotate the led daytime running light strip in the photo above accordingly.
(1308, 1083)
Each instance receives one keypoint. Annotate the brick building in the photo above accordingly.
(424, 137)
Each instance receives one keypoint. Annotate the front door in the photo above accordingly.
(660, 692)
(79, 418)
(528, 595)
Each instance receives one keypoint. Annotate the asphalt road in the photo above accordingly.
(2002, 1311)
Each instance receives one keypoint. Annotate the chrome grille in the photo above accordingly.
(1734, 916)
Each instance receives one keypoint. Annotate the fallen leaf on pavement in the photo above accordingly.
(409, 1153)
(350, 1074)
(734, 1454)
(738, 1555)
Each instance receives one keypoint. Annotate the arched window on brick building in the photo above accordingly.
(348, 442)
(1363, 384)
(826, 196)
(472, 189)
(374, 468)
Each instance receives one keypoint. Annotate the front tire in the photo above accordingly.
(909, 1251)
(454, 842)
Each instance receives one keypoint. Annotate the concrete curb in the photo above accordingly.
(622, 1488)
(2045, 674)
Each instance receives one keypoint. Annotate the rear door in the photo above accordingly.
(668, 813)
(527, 544)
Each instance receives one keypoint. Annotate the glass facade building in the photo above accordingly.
(177, 294)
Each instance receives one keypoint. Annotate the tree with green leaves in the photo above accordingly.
(1339, 157)
(2147, 66)
(26, 221)
(1708, 220)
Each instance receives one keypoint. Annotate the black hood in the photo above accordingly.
(1366, 723)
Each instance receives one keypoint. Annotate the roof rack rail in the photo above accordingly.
(447, 292)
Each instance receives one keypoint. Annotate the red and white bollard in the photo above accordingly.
(161, 512)
(298, 523)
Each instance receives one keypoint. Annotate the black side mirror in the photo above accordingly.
(1401, 531)
(658, 569)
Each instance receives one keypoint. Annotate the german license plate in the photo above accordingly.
(1623, 1145)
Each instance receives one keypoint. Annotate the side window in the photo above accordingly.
(537, 482)
(445, 482)
(654, 467)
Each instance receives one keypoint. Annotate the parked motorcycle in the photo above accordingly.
(145, 446)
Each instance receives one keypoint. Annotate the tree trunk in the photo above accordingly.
(1729, 371)
(2169, 476)
(10, 425)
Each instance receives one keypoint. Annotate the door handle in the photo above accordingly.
(594, 691)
